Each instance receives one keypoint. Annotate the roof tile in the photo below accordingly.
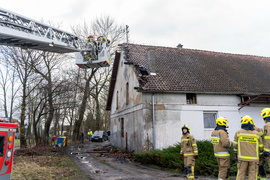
(202, 71)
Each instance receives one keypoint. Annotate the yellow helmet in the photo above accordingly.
(222, 121)
(185, 127)
(265, 112)
(247, 119)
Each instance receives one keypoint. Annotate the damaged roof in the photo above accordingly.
(195, 71)
(189, 70)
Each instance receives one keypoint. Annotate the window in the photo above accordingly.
(209, 119)
(122, 127)
(117, 100)
(244, 99)
(2, 145)
(191, 98)
(127, 93)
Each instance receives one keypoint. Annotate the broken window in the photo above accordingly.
(127, 93)
(117, 100)
(191, 98)
(122, 127)
(245, 98)
(209, 119)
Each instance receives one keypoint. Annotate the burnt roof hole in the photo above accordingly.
(143, 71)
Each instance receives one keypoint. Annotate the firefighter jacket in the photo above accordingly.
(221, 143)
(259, 130)
(188, 145)
(266, 137)
(248, 145)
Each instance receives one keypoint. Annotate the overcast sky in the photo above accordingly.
(233, 26)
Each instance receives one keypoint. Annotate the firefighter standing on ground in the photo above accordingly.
(189, 151)
(265, 113)
(221, 144)
(261, 172)
(90, 133)
(247, 146)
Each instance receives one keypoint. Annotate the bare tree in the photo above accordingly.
(102, 26)
(100, 81)
(7, 84)
(4, 87)
(82, 108)
(45, 66)
(19, 60)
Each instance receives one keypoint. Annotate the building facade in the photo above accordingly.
(154, 91)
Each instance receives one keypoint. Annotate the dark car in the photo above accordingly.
(99, 136)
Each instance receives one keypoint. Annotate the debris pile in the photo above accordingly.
(110, 151)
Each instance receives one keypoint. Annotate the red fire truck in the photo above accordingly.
(7, 135)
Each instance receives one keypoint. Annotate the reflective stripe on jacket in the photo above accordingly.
(188, 145)
(266, 137)
(248, 145)
(221, 143)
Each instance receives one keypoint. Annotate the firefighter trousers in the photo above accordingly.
(268, 160)
(189, 164)
(224, 168)
(242, 167)
(261, 171)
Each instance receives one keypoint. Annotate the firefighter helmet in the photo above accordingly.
(91, 36)
(265, 112)
(185, 127)
(247, 119)
(222, 121)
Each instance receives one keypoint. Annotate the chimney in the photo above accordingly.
(151, 57)
(179, 46)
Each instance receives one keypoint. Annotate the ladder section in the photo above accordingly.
(19, 31)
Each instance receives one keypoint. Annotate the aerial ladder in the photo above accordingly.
(19, 31)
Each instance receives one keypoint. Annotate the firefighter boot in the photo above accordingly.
(261, 173)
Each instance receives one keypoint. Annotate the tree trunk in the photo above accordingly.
(51, 112)
(77, 125)
(97, 114)
(36, 134)
(22, 127)
(56, 123)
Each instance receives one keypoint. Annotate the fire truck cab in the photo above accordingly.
(7, 135)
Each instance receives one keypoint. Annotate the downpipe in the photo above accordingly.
(154, 134)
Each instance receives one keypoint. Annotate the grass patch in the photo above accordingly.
(169, 158)
(16, 142)
(46, 168)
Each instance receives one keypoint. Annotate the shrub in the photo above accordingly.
(169, 158)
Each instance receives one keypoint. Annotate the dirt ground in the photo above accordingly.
(44, 164)
(90, 161)
(95, 160)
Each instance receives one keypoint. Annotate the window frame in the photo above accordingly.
(191, 98)
(215, 117)
(122, 127)
(117, 100)
(127, 93)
